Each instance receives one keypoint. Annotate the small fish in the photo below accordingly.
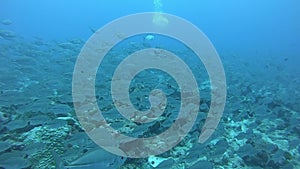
(93, 30)
(149, 37)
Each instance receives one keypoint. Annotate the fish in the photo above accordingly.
(6, 22)
(7, 34)
(13, 160)
(92, 30)
(149, 37)
(93, 159)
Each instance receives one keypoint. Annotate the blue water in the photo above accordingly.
(257, 42)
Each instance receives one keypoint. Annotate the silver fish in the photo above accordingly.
(94, 159)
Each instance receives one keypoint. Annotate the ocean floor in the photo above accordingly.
(260, 127)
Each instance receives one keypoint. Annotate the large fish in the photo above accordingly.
(94, 159)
